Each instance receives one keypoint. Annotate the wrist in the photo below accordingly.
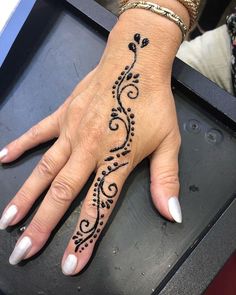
(165, 36)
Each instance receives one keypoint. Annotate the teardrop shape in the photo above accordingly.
(144, 42)
(129, 76)
(137, 37)
(132, 47)
(136, 76)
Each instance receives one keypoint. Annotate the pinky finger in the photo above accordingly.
(43, 131)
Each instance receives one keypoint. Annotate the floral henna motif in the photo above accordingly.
(127, 83)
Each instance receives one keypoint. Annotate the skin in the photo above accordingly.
(84, 139)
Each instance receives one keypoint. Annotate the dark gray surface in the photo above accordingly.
(219, 240)
(139, 248)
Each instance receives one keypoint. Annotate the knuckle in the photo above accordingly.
(168, 178)
(90, 210)
(37, 226)
(34, 132)
(24, 196)
(46, 166)
(61, 192)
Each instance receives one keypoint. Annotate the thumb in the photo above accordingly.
(164, 178)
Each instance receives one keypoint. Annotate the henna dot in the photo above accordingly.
(125, 148)
(122, 73)
(118, 155)
(98, 230)
(95, 190)
(129, 109)
(113, 96)
(115, 164)
(94, 200)
(80, 251)
(128, 144)
(126, 68)
(132, 122)
(86, 245)
(113, 92)
(132, 133)
(131, 116)
(96, 184)
(90, 241)
(104, 172)
(101, 223)
(132, 128)
(119, 78)
(99, 179)
(102, 215)
(94, 204)
(95, 236)
(136, 76)
(116, 82)
(94, 194)
(109, 168)
(82, 248)
(130, 140)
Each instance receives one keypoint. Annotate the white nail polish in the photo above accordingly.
(70, 264)
(175, 209)
(8, 216)
(20, 250)
(3, 153)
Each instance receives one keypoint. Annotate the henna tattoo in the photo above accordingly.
(126, 83)
(120, 114)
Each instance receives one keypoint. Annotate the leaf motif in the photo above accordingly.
(144, 42)
(132, 47)
(137, 37)
(129, 76)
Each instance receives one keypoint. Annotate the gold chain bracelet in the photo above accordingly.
(191, 5)
(162, 11)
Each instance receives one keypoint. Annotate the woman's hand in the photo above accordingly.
(122, 112)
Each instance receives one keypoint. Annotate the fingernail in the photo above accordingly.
(175, 209)
(20, 250)
(8, 216)
(70, 264)
(3, 153)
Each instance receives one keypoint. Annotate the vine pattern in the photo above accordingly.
(103, 194)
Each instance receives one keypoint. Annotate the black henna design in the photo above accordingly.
(103, 196)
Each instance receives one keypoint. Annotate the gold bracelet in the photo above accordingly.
(193, 9)
(191, 5)
(158, 10)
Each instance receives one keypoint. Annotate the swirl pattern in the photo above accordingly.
(126, 86)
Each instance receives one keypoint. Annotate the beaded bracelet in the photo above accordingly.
(158, 10)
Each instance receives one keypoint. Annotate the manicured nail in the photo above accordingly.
(70, 264)
(20, 250)
(175, 209)
(8, 216)
(3, 153)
